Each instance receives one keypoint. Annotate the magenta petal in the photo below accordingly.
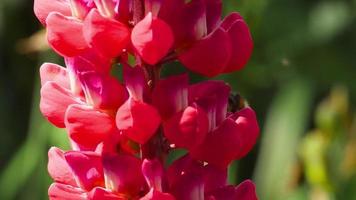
(99, 193)
(87, 126)
(246, 191)
(229, 141)
(55, 73)
(152, 170)
(58, 167)
(213, 13)
(212, 96)
(122, 174)
(220, 146)
(87, 168)
(171, 95)
(152, 39)
(216, 51)
(189, 186)
(65, 36)
(135, 81)
(212, 176)
(157, 195)
(242, 45)
(186, 19)
(54, 102)
(229, 20)
(42, 8)
(188, 128)
(58, 191)
(248, 130)
(102, 91)
(132, 117)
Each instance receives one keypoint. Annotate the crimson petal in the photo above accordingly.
(106, 35)
(65, 35)
(216, 51)
(187, 128)
(132, 118)
(54, 102)
(88, 127)
(152, 39)
(171, 95)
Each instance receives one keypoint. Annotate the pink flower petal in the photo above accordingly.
(132, 117)
(54, 102)
(89, 127)
(229, 141)
(242, 45)
(152, 39)
(58, 167)
(246, 191)
(122, 174)
(249, 130)
(87, 168)
(43, 8)
(189, 186)
(213, 13)
(153, 172)
(65, 36)
(186, 19)
(102, 90)
(216, 51)
(212, 176)
(106, 35)
(157, 195)
(58, 191)
(187, 128)
(171, 95)
(135, 81)
(55, 73)
(99, 193)
(212, 96)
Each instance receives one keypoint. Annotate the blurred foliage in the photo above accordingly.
(302, 49)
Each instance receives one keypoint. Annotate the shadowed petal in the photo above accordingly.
(187, 128)
(122, 174)
(157, 195)
(171, 95)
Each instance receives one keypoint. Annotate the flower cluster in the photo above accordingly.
(121, 131)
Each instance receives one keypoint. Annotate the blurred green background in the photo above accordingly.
(300, 80)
